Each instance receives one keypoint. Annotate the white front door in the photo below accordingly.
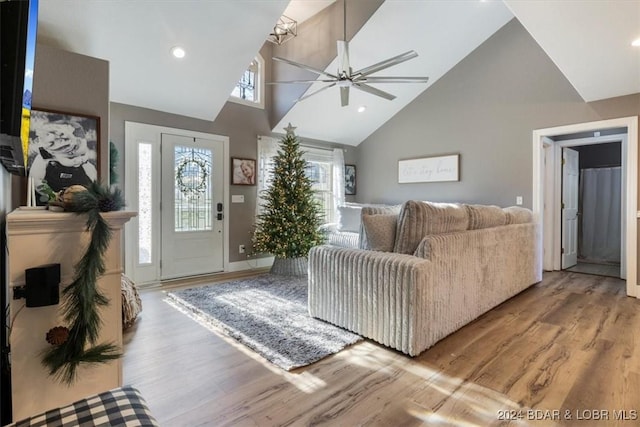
(177, 181)
(570, 174)
(192, 206)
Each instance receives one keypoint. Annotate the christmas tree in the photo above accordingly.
(288, 226)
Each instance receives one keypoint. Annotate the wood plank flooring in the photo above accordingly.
(612, 270)
(563, 352)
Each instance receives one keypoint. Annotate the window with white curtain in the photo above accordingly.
(325, 167)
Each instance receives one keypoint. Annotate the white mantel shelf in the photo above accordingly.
(37, 237)
(22, 221)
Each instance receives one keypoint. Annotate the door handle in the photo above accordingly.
(219, 217)
(220, 207)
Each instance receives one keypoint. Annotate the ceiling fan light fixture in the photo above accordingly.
(284, 30)
(346, 78)
(178, 52)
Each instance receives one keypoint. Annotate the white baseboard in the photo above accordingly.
(250, 264)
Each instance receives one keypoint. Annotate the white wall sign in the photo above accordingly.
(428, 169)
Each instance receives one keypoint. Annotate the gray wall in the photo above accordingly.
(74, 83)
(484, 109)
(242, 124)
(71, 83)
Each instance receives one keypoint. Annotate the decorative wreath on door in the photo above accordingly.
(185, 176)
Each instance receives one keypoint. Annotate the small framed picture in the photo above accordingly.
(350, 180)
(64, 150)
(243, 171)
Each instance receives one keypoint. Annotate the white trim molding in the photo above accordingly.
(250, 264)
(542, 144)
(260, 83)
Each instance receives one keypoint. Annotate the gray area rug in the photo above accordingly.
(269, 314)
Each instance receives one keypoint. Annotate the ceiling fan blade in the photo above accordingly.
(305, 67)
(392, 80)
(344, 95)
(299, 82)
(343, 59)
(372, 90)
(387, 63)
(302, 98)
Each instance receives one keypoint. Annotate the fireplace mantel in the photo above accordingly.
(39, 237)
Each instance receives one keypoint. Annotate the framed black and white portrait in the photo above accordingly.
(64, 150)
(350, 180)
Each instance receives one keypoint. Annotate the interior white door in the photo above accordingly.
(192, 206)
(570, 174)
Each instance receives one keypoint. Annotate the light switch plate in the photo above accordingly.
(237, 198)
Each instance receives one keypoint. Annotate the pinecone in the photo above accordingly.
(58, 335)
(68, 195)
(107, 204)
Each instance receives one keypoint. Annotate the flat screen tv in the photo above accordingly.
(18, 26)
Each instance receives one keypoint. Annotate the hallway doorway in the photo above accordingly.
(596, 237)
(548, 145)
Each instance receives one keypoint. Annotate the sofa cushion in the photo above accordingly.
(418, 219)
(380, 231)
(485, 216)
(376, 210)
(518, 215)
(349, 217)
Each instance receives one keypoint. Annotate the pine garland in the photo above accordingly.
(289, 224)
(114, 159)
(82, 298)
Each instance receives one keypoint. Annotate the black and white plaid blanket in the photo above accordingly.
(122, 406)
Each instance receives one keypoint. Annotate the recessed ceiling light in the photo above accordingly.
(636, 43)
(362, 108)
(178, 52)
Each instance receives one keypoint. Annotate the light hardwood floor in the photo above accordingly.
(569, 343)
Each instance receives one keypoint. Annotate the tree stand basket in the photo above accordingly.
(290, 266)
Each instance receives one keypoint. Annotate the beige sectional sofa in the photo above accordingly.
(437, 267)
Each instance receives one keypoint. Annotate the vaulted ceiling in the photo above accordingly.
(589, 41)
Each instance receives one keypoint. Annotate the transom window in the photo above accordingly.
(250, 88)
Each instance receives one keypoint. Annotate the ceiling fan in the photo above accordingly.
(360, 79)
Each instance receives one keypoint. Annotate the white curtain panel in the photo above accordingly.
(601, 209)
(267, 150)
(338, 180)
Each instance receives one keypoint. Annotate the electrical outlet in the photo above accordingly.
(241, 249)
(518, 200)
